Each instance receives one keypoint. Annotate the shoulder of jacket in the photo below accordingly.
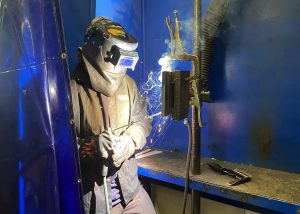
(130, 82)
(76, 87)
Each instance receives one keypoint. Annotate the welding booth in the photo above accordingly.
(220, 79)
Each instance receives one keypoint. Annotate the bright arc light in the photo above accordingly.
(165, 63)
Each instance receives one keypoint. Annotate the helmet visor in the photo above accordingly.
(122, 58)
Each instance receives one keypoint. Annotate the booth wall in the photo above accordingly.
(253, 80)
(77, 15)
(129, 14)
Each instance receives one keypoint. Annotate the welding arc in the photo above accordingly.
(187, 166)
(212, 20)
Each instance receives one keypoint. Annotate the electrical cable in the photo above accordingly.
(187, 166)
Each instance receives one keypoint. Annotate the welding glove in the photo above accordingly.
(95, 147)
(123, 148)
(105, 144)
(88, 150)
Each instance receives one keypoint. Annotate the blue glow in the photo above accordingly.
(28, 59)
(21, 128)
(106, 6)
(21, 137)
(21, 192)
(25, 75)
(126, 62)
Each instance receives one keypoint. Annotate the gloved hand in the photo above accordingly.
(94, 147)
(105, 144)
(123, 148)
(88, 150)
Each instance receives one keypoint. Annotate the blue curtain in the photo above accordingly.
(38, 158)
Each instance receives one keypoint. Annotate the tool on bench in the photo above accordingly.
(241, 177)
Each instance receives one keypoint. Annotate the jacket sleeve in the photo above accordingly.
(140, 128)
(75, 103)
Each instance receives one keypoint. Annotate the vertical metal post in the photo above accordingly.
(195, 151)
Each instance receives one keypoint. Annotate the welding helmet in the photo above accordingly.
(108, 51)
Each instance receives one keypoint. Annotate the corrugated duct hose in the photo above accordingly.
(211, 23)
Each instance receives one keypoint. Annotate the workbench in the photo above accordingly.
(268, 189)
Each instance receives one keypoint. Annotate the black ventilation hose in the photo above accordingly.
(211, 23)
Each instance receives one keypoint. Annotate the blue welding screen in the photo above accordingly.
(126, 61)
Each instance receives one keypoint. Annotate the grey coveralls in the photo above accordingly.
(127, 108)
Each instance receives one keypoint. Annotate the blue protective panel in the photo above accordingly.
(254, 81)
(37, 141)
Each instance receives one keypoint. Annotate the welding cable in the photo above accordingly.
(187, 166)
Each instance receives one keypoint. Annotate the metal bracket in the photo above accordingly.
(178, 53)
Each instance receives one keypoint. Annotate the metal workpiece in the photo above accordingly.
(269, 189)
(175, 96)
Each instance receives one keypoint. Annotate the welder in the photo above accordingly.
(104, 99)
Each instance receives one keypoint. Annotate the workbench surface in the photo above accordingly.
(270, 189)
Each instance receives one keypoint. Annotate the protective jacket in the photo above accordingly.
(127, 110)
